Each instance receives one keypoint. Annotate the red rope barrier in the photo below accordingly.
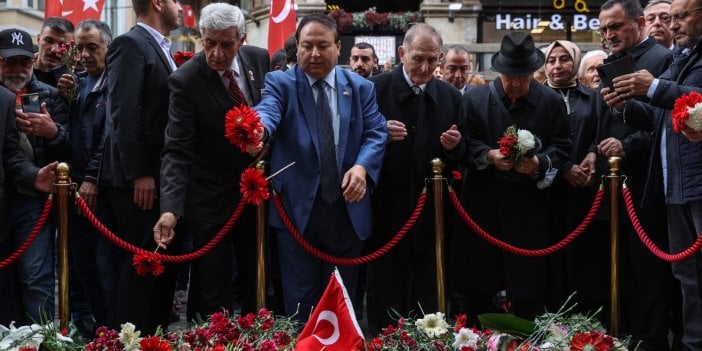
(685, 254)
(165, 258)
(527, 252)
(48, 205)
(356, 260)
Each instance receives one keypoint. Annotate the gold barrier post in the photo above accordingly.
(613, 176)
(261, 247)
(63, 184)
(437, 168)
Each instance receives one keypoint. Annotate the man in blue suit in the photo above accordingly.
(304, 110)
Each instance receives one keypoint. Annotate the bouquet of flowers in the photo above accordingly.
(687, 111)
(242, 126)
(68, 53)
(516, 143)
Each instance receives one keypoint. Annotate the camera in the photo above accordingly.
(31, 103)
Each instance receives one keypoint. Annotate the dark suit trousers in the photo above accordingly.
(145, 300)
(304, 276)
(225, 277)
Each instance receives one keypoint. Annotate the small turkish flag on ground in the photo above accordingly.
(74, 10)
(281, 24)
(188, 16)
(333, 325)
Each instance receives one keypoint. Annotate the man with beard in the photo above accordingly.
(674, 159)
(43, 137)
(657, 14)
(456, 68)
(47, 66)
(363, 59)
(138, 65)
(423, 119)
(646, 281)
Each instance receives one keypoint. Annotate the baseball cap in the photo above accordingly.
(15, 42)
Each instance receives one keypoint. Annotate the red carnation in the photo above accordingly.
(154, 343)
(181, 57)
(461, 320)
(681, 108)
(593, 340)
(457, 175)
(508, 143)
(254, 187)
(147, 262)
(242, 127)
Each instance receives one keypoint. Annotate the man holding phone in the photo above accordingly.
(42, 138)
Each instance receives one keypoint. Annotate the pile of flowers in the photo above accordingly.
(266, 332)
(687, 111)
(516, 143)
(371, 20)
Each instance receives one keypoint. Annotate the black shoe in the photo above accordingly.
(86, 328)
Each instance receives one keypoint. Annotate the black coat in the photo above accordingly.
(137, 108)
(505, 203)
(200, 169)
(407, 163)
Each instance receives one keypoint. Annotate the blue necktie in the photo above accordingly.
(327, 150)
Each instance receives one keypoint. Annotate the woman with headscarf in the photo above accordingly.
(588, 276)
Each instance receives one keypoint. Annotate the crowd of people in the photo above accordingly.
(146, 143)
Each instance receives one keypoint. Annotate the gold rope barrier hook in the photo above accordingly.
(62, 186)
(437, 167)
(261, 166)
(614, 163)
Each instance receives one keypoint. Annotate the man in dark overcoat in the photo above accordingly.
(424, 116)
(513, 200)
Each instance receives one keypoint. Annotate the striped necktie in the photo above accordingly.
(234, 89)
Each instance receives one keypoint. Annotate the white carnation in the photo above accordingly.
(465, 337)
(433, 324)
(525, 140)
(129, 337)
(695, 119)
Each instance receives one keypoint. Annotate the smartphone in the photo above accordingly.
(31, 103)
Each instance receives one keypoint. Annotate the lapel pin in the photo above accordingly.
(251, 76)
(346, 93)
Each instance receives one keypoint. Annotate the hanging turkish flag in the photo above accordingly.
(74, 10)
(281, 24)
(188, 16)
(333, 325)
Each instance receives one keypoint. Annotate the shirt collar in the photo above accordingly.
(234, 67)
(330, 79)
(160, 38)
(409, 81)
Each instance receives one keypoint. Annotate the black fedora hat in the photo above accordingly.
(518, 56)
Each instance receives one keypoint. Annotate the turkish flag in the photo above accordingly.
(74, 10)
(333, 325)
(188, 16)
(281, 24)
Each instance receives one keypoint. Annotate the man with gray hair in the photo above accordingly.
(658, 20)
(200, 168)
(423, 119)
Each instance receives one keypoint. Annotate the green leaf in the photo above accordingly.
(507, 323)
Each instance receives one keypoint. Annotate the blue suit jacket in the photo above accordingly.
(287, 110)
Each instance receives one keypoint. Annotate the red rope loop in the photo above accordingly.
(528, 252)
(685, 254)
(165, 258)
(45, 212)
(356, 260)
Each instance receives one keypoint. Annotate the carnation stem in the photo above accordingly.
(280, 170)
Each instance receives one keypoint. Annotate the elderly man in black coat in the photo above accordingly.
(424, 117)
(513, 200)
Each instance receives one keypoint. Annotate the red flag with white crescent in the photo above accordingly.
(74, 10)
(333, 325)
(188, 16)
(281, 24)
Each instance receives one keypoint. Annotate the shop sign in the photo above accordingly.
(555, 22)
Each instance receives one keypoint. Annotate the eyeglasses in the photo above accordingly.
(665, 18)
(17, 61)
(683, 15)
